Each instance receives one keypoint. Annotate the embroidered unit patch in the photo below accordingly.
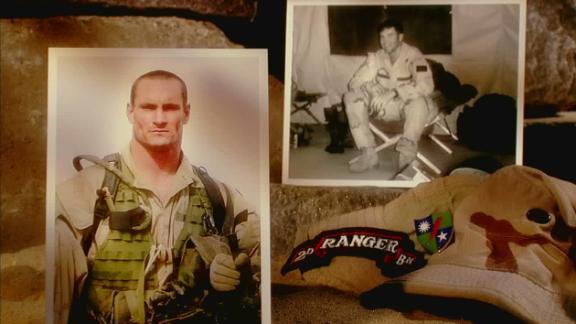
(393, 252)
(421, 68)
(435, 232)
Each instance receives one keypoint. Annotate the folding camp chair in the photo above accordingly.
(303, 101)
(389, 140)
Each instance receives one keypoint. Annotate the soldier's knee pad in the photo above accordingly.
(353, 101)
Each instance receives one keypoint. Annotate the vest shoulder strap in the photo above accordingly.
(219, 209)
(111, 181)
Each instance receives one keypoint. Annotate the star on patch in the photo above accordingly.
(442, 236)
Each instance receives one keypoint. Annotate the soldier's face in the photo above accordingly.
(158, 113)
(390, 39)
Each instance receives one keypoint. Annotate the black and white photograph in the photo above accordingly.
(157, 189)
(390, 93)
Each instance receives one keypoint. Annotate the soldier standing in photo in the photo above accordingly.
(143, 236)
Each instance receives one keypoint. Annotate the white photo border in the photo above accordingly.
(258, 57)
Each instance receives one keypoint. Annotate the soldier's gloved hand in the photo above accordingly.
(248, 233)
(223, 273)
(242, 260)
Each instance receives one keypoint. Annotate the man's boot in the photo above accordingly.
(368, 160)
(407, 150)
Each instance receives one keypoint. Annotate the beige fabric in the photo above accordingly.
(71, 270)
(499, 255)
(502, 257)
(75, 202)
(391, 91)
(402, 75)
(505, 198)
(355, 274)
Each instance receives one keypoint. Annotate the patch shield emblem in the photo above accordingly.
(435, 232)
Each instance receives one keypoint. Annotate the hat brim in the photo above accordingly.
(509, 291)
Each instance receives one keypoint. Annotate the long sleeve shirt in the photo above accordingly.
(410, 75)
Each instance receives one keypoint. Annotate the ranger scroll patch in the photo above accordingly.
(393, 252)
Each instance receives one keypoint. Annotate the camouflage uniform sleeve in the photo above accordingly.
(246, 229)
(422, 83)
(75, 197)
(246, 223)
(71, 270)
(74, 209)
(366, 72)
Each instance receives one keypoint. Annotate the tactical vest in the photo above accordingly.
(120, 262)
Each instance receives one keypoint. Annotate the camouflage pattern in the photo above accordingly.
(514, 248)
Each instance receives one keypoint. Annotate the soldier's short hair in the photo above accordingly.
(159, 74)
(391, 23)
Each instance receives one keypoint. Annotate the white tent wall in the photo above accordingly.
(484, 53)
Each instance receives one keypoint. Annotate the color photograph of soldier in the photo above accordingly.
(146, 236)
(394, 95)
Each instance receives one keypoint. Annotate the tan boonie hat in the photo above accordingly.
(514, 246)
